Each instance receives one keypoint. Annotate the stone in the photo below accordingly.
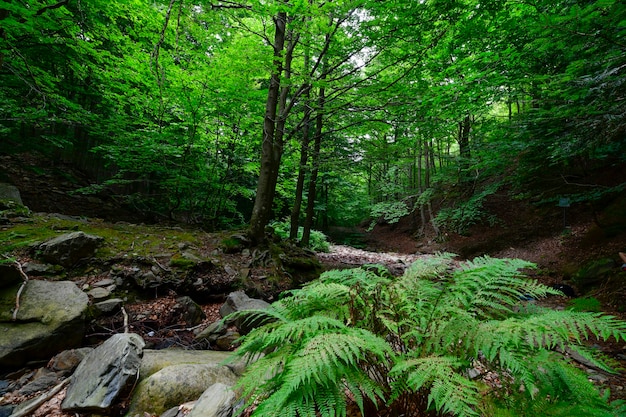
(42, 380)
(99, 293)
(155, 360)
(109, 371)
(239, 301)
(51, 318)
(176, 385)
(212, 332)
(10, 192)
(35, 268)
(104, 282)
(189, 311)
(69, 248)
(9, 274)
(108, 307)
(227, 341)
(217, 401)
(67, 361)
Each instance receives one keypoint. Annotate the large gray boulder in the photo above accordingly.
(239, 301)
(50, 319)
(108, 371)
(68, 249)
(217, 401)
(175, 385)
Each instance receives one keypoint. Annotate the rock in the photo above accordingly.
(99, 293)
(175, 385)
(108, 307)
(108, 371)
(51, 319)
(227, 341)
(10, 192)
(239, 301)
(188, 311)
(67, 361)
(104, 282)
(35, 268)
(68, 249)
(155, 360)
(212, 332)
(42, 380)
(9, 274)
(217, 401)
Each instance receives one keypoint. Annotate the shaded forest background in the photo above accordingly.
(444, 115)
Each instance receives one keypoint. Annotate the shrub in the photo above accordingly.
(407, 345)
(317, 241)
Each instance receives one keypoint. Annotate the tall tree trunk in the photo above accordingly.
(304, 156)
(271, 149)
(319, 121)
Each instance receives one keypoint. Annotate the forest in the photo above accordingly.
(321, 113)
(224, 124)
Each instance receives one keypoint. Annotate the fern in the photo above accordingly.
(407, 344)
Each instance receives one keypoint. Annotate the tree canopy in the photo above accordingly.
(328, 113)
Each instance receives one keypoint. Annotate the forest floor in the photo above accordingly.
(559, 242)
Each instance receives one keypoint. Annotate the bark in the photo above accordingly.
(261, 212)
(310, 208)
(304, 156)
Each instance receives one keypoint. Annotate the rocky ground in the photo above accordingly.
(538, 234)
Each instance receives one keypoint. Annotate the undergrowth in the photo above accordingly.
(430, 343)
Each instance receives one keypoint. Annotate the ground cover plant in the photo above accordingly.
(442, 339)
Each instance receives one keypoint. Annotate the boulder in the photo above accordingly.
(217, 401)
(68, 249)
(9, 274)
(10, 192)
(50, 319)
(177, 384)
(155, 360)
(239, 301)
(104, 374)
(188, 311)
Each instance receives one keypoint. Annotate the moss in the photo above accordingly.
(180, 262)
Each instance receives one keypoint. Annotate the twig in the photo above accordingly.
(125, 320)
(19, 292)
(161, 266)
(38, 402)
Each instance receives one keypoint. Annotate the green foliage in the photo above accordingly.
(390, 212)
(467, 213)
(318, 241)
(408, 344)
(590, 304)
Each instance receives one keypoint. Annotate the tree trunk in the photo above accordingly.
(271, 150)
(304, 156)
(310, 207)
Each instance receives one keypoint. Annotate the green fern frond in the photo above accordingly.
(491, 287)
(448, 390)
(356, 276)
(329, 298)
(291, 333)
(321, 369)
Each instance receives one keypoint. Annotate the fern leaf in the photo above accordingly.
(449, 391)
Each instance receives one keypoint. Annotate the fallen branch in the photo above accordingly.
(39, 401)
(125, 320)
(19, 292)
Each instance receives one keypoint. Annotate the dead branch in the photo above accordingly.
(125, 319)
(19, 292)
